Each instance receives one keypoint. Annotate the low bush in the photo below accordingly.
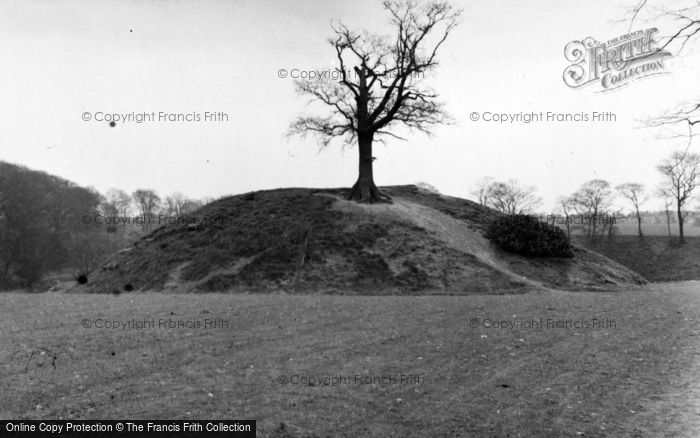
(528, 236)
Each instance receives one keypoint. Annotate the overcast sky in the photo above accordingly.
(63, 59)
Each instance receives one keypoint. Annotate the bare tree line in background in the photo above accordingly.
(594, 200)
(147, 205)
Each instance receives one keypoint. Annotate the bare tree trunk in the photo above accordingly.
(639, 223)
(680, 224)
(364, 189)
(592, 226)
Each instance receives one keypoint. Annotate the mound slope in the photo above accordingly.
(312, 240)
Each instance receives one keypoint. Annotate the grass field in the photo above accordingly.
(656, 258)
(636, 375)
(629, 228)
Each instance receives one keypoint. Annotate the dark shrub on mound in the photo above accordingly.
(528, 236)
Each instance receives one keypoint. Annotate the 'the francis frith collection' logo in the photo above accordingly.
(614, 63)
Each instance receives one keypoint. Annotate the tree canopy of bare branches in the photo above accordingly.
(507, 197)
(148, 203)
(566, 206)
(380, 84)
(681, 179)
(481, 189)
(636, 194)
(593, 199)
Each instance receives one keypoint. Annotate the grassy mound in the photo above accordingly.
(311, 240)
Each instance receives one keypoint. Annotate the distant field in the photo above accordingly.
(655, 229)
(655, 258)
(636, 378)
(629, 228)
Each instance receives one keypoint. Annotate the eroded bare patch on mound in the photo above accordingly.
(587, 270)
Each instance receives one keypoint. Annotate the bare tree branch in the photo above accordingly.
(687, 29)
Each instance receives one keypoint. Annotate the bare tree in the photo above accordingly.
(109, 208)
(175, 204)
(565, 205)
(481, 189)
(120, 200)
(593, 199)
(147, 202)
(191, 205)
(117, 203)
(178, 204)
(609, 219)
(385, 86)
(512, 198)
(680, 171)
(635, 193)
(668, 203)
